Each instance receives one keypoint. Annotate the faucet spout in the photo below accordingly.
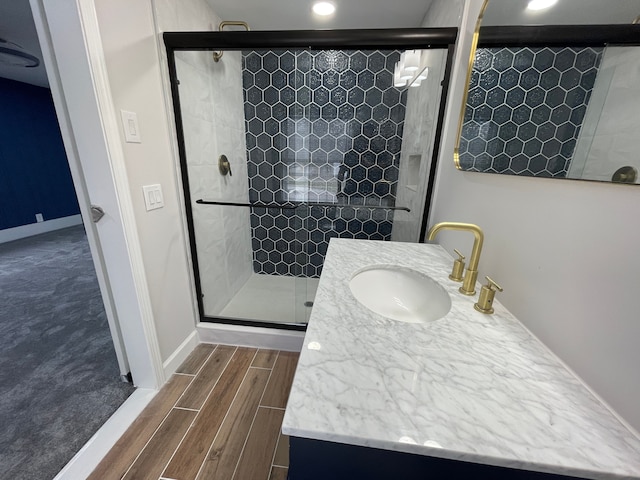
(469, 284)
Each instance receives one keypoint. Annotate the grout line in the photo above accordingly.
(188, 409)
(198, 373)
(261, 368)
(185, 374)
(201, 366)
(158, 427)
(147, 443)
(206, 360)
(275, 450)
(254, 419)
(279, 466)
(269, 379)
(180, 443)
(193, 379)
(225, 417)
(273, 408)
(200, 412)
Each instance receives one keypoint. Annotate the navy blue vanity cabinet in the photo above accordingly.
(321, 460)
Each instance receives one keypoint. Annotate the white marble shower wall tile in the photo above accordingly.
(212, 251)
(238, 264)
(203, 182)
(196, 15)
(215, 287)
(208, 220)
(195, 89)
(200, 143)
(227, 82)
(225, 261)
(417, 139)
(213, 118)
(611, 122)
(231, 144)
(196, 59)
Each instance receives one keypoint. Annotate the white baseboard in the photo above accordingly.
(24, 231)
(90, 455)
(256, 337)
(180, 355)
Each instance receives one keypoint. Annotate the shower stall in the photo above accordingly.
(289, 139)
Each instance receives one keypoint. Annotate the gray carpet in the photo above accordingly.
(59, 378)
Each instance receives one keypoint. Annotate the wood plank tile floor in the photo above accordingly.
(218, 417)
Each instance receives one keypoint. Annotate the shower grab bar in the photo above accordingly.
(294, 205)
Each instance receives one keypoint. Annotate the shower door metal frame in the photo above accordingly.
(367, 39)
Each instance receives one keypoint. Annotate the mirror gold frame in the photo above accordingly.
(463, 105)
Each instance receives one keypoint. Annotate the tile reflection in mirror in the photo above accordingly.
(562, 112)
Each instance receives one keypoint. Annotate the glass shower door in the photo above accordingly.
(283, 150)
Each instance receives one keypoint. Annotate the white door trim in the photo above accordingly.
(74, 57)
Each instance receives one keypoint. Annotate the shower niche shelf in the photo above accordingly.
(413, 168)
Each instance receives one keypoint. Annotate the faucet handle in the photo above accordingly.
(458, 267)
(490, 284)
(487, 293)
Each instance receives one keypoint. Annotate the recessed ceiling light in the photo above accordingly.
(323, 8)
(540, 4)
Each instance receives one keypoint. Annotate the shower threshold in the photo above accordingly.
(273, 299)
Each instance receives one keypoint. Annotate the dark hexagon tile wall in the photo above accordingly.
(322, 126)
(525, 108)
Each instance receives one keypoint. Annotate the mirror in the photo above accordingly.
(554, 92)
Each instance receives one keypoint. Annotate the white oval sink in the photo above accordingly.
(400, 293)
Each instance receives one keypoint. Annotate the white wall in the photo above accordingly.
(609, 135)
(31, 229)
(132, 57)
(563, 250)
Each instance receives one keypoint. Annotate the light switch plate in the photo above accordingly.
(153, 196)
(130, 125)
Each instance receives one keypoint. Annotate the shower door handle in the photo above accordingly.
(96, 213)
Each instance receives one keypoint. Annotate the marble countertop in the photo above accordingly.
(471, 387)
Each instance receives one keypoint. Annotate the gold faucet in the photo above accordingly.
(469, 284)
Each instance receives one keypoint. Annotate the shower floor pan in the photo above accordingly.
(273, 299)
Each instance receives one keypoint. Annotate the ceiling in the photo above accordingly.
(16, 25)
(263, 15)
(565, 12)
(16, 22)
(270, 15)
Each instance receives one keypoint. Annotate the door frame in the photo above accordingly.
(74, 58)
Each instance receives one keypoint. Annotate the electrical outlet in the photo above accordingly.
(39, 217)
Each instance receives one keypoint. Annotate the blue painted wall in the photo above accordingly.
(34, 172)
